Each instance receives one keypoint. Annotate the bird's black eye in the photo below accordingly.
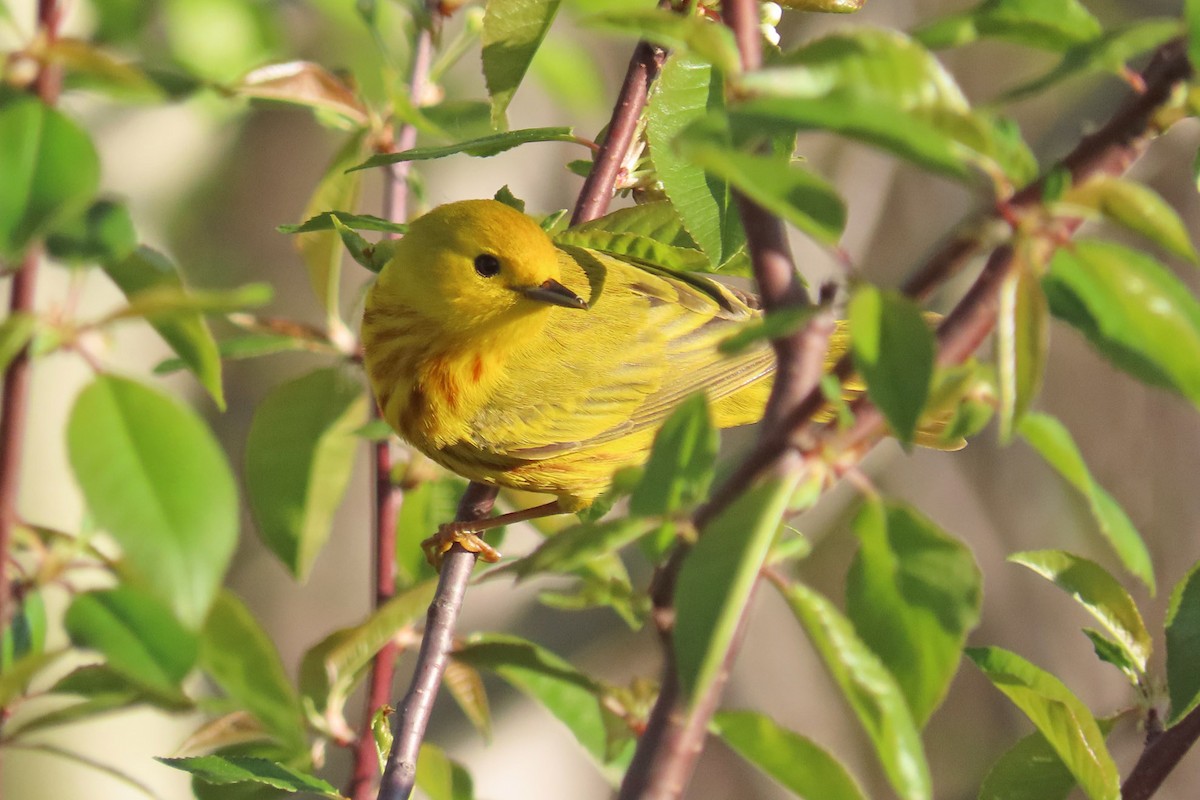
(487, 265)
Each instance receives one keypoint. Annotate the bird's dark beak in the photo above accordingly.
(554, 293)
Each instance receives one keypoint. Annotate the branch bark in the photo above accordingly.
(668, 749)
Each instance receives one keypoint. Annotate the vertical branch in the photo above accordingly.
(387, 496)
(16, 376)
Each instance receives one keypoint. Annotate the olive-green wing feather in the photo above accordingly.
(647, 341)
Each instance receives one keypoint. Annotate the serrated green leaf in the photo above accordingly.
(680, 467)
(137, 635)
(870, 690)
(299, 454)
(572, 697)
(1110, 652)
(913, 594)
(687, 89)
(331, 669)
(893, 350)
(800, 765)
(1107, 52)
(1045, 24)
(188, 335)
(785, 189)
(1022, 344)
(1183, 645)
(50, 170)
(224, 770)
(239, 656)
(691, 35)
(1137, 208)
(1053, 441)
(361, 222)
(633, 246)
(483, 147)
(1032, 770)
(1058, 714)
(322, 250)
(1099, 593)
(512, 32)
(1132, 309)
(154, 477)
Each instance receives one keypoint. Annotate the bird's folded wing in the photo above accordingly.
(647, 341)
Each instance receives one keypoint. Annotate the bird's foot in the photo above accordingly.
(465, 534)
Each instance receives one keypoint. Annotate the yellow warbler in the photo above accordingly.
(515, 362)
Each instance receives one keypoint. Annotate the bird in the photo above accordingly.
(517, 362)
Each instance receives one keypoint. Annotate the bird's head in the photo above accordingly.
(473, 264)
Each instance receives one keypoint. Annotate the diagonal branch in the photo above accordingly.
(667, 751)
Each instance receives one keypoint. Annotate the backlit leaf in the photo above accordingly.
(512, 32)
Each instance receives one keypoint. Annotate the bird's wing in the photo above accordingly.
(647, 341)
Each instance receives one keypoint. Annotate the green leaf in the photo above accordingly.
(791, 192)
(1110, 652)
(26, 630)
(578, 545)
(1032, 770)
(16, 331)
(1183, 645)
(1052, 440)
(1137, 208)
(572, 697)
(239, 656)
(483, 147)
(774, 325)
(14, 679)
(687, 90)
(254, 345)
(1099, 593)
(361, 222)
(1107, 52)
(635, 247)
(155, 478)
(50, 170)
(322, 250)
(224, 770)
(1022, 343)
(680, 467)
(1058, 714)
(512, 32)
(299, 454)
(869, 688)
(1191, 15)
(442, 778)
(893, 351)
(690, 35)
(136, 634)
(1133, 310)
(147, 270)
(717, 579)
(331, 669)
(90, 67)
(913, 594)
(425, 507)
(103, 232)
(167, 303)
(1044, 24)
(800, 765)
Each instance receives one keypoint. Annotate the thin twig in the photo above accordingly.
(1160, 757)
(387, 495)
(414, 711)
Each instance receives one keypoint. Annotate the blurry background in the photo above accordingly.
(209, 179)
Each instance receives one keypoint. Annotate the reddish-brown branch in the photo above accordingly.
(1160, 758)
(597, 189)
